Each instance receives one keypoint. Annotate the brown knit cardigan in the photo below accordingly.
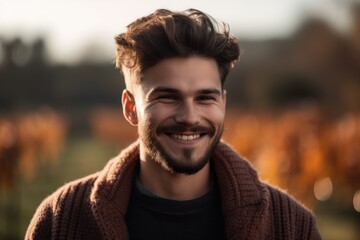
(94, 207)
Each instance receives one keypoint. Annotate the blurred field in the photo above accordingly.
(80, 156)
(313, 156)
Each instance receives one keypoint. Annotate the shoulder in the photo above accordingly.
(282, 201)
(274, 209)
(289, 214)
(72, 190)
(59, 204)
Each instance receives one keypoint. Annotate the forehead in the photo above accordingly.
(183, 74)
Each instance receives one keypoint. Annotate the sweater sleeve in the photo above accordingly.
(40, 226)
(313, 231)
(290, 218)
(305, 225)
(65, 214)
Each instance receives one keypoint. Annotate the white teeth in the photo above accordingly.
(186, 137)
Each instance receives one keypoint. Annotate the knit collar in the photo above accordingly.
(245, 200)
(243, 196)
(110, 195)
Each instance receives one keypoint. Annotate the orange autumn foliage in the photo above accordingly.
(295, 149)
(27, 139)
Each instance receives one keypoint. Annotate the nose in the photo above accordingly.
(187, 114)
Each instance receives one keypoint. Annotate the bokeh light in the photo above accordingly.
(356, 200)
(323, 189)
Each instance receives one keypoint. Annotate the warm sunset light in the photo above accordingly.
(73, 26)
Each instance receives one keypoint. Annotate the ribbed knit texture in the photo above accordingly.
(94, 207)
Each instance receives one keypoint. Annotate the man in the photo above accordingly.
(178, 181)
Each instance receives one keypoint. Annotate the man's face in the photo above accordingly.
(180, 108)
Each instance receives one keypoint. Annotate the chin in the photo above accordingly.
(182, 167)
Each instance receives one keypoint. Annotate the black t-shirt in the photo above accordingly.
(153, 217)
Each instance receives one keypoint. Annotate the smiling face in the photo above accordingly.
(179, 108)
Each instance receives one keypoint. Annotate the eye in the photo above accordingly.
(167, 98)
(206, 98)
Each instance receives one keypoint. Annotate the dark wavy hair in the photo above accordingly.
(165, 34)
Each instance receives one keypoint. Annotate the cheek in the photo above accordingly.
(157, 113)
(214, 115)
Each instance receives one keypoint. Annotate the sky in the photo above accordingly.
(72, 26)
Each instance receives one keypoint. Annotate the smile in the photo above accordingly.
(186, 137)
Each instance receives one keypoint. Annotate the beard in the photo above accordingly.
(159, 154)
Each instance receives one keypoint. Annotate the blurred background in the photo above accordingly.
(293, 107)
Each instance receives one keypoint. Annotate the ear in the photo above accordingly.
(129, 107)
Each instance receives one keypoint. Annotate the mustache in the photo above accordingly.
(183, 128)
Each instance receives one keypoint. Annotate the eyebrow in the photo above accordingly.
(174, 90)
(210, 91)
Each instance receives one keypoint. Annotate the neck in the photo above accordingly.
(174, 186)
